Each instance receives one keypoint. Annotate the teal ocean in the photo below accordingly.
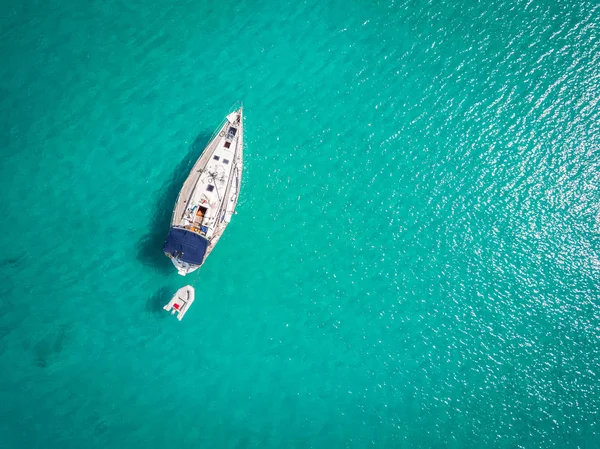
(415, 262)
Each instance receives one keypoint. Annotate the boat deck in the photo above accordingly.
(209, 195)
(190, 184)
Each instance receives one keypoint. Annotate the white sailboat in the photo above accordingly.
(208, 197)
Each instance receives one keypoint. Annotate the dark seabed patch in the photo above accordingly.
(47, 350)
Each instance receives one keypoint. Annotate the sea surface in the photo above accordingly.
(415, 262)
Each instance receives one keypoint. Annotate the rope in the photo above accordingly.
(197, 274)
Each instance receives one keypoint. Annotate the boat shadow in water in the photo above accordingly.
(150, 245)
(157, 301)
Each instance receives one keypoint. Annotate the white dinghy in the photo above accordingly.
(181, 301)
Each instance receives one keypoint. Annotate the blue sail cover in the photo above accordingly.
(186, 246)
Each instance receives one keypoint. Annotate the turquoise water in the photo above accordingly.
(415, 258)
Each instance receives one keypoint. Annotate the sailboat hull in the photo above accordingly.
(208, 198)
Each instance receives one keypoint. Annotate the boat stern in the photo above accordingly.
(186, 249)
(183, 268)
